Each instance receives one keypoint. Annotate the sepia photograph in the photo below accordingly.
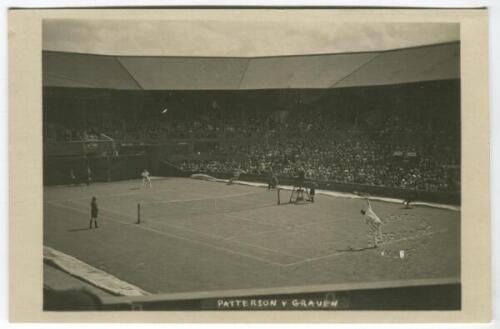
(251, 165)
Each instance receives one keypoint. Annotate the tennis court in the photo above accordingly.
(199, 235)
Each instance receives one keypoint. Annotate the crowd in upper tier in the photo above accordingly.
(396, 153)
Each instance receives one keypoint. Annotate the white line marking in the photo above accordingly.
(174, 236)
(250, 220)
(338, 253)
(153, 220)
(291, 229)
(199, 199)
(254, 234)
(215, 237)
(108, 196)
(269, 249)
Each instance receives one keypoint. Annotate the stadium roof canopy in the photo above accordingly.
(232, 55)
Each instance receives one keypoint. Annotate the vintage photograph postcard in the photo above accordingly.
(210, 164)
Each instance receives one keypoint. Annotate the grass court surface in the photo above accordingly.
(202, 236)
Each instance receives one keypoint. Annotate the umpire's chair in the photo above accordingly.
(300, 193)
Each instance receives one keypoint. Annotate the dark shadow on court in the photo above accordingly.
(355, 249)
(78, 229)
(70, 300)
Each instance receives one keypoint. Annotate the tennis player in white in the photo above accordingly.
(146, 179)
(374, 222)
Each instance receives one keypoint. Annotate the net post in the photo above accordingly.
(138, 213)
(278, 191)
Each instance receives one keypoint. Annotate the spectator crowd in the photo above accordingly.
(395, 153)
(410, 157)
(347, 158)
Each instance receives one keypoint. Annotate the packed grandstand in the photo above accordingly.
(392, 146)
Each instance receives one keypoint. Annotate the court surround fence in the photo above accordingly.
(454, 197)
(57, 170)
(391, 192)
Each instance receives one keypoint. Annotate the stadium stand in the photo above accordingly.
(335, 135)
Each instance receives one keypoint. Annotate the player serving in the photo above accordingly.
(374, 222)
(146, 179)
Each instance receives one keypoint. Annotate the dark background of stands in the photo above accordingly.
(438, 100)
